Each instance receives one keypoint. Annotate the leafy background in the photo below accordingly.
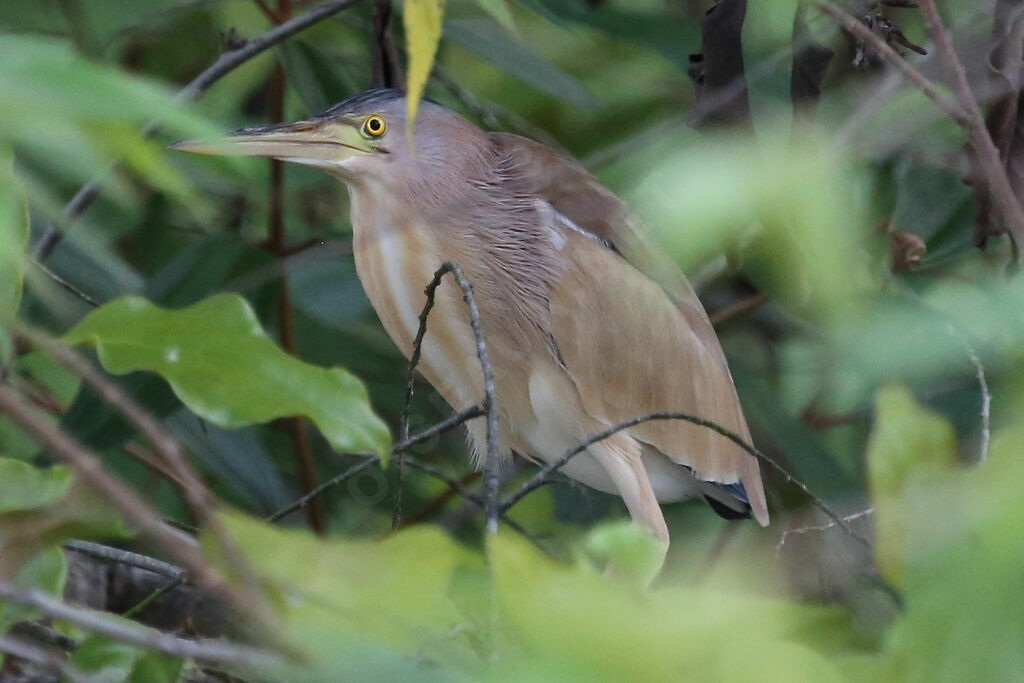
(834, 249)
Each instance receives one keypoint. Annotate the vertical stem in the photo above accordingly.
(286, 314)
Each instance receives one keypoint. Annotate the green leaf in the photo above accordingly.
(907, 442)
(105, 659)
(47, 572)
(501, 13)
(359, 609)
(13, 237)
(24, 487)
(155, 667)
(422, 21)
(318, 80)
(221, 364)
(489, 41)
(62, 512)
(627, 549)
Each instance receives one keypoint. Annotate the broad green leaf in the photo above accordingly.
(422, 21)
(154, 667)
(26, 487)
(13, 237)
(222, 365)
(907, 442)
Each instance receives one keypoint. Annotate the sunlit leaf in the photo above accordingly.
(222, 365)
(422, 21)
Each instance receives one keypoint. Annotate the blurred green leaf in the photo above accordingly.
(964, 611)
(500, 12)
(105, 659)
(59, 510)
(628, 550)
(48, 572)
(907, 442)
(13, 237)
(25, 487)
(319, 82)
(489, 41)
(222, 365)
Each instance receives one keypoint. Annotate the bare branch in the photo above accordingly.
(334, 481)
(106, 552)
(220, 652)
(540, 478)
(977, 132)
(64, 284)
(491, 464)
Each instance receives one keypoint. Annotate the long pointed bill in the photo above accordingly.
(313, 143)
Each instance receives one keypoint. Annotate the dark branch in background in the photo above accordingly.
(997, 184)
(717, 70)
(491, 464)
(1004, 121)
(277, 245)
(810, 62)
(225, 64)
(214, 651)
(541, 477)
(126, 557)
(48, 659)
(964, 111)
(386, 69)
(330, 483)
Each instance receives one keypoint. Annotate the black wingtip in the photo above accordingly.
(726, 512)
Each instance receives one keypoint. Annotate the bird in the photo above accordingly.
(586, 323)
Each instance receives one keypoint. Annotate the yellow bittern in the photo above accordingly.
(584, 326)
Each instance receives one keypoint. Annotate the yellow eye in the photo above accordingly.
(375, 126)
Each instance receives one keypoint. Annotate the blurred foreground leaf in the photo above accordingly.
(13, 237)
(222, 365)
(39, 509)
(907, 442)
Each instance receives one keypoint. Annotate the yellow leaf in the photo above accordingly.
(422, 20)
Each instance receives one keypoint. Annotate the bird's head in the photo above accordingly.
(362, 138)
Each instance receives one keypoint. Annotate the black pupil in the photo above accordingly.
(374, 125)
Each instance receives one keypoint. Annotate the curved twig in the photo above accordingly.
(539, 479)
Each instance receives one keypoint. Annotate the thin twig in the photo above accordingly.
(225, 64)
(213, 651)
(334, 481)
(492, 466)
(820, 527)
(974, 126)
(61, 282)
(47, 658)
(370, 459)
(540, 478)
(152, 597)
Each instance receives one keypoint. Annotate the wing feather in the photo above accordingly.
(633, 335)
